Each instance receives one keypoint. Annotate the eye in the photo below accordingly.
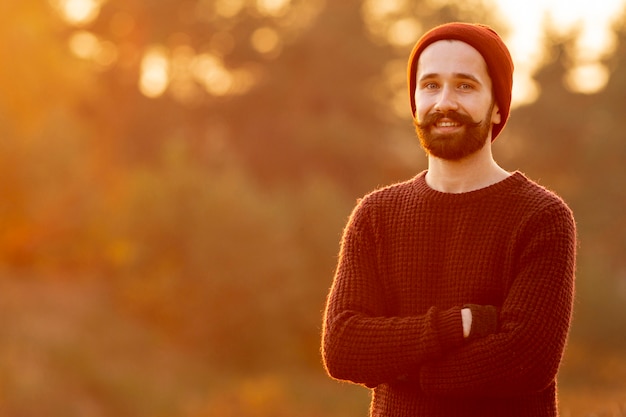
(466, 86)
(430, 86)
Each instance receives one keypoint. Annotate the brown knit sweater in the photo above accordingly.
(411, 258)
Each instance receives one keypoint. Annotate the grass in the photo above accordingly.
(67, 350)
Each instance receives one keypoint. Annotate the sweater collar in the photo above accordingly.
(499, 188)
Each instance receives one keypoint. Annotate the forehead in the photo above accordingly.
(447, 57)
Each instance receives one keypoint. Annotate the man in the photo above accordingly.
(453, 291)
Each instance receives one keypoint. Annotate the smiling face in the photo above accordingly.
(455, 108)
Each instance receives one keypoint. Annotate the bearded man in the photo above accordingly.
(453, 291)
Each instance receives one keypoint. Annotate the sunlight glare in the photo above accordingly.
(593, 21)
(272, 7)
(588, 79)
(154, 77)
(79, 12)
(596, 43)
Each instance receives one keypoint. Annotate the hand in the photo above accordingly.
(482, 320)
(466, 316)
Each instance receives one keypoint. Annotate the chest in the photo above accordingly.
(466, 258)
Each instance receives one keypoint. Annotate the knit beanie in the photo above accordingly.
(495, 53)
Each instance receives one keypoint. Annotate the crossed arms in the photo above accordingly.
(509, 349)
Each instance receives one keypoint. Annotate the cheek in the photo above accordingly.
(422, 104)
(421, 108)
(419, 114)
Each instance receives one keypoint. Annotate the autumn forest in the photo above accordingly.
(175, 177)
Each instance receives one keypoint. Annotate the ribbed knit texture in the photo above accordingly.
(411, 258)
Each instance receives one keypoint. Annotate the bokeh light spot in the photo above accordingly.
(228, 8)
(587, 78)
(211, 73)
(84, 44)
(404, 32)
(273, 7)
(154, 77)
(265, 40)
(79, 12)
(377, 9)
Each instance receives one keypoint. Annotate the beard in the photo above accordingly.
(453, 146)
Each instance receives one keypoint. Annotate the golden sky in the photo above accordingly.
(593, 18)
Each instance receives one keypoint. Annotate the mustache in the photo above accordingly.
(433, 118)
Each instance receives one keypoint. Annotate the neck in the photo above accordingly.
(474, 172)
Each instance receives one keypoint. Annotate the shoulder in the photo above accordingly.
(541, 203)
(394, 193)
(538, 195)
(392, 200)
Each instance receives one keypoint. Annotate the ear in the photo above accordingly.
(496, 118)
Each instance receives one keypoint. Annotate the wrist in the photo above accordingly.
(484, 320)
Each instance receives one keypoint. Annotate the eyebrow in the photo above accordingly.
(459, 75)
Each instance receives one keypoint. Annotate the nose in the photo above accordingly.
(446, 100)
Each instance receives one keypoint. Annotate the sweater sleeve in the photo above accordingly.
(361, 342)
(523, 356)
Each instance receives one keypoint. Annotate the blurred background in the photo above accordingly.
(175, 176)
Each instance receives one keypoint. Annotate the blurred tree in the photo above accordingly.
(47, 161)
(602, 205)
(291, 94)
(570, 141)
(542, 135)
(296, 87)
(210, 151)
(201, 157)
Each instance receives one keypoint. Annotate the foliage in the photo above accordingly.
(573, 144)
(198, 216)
